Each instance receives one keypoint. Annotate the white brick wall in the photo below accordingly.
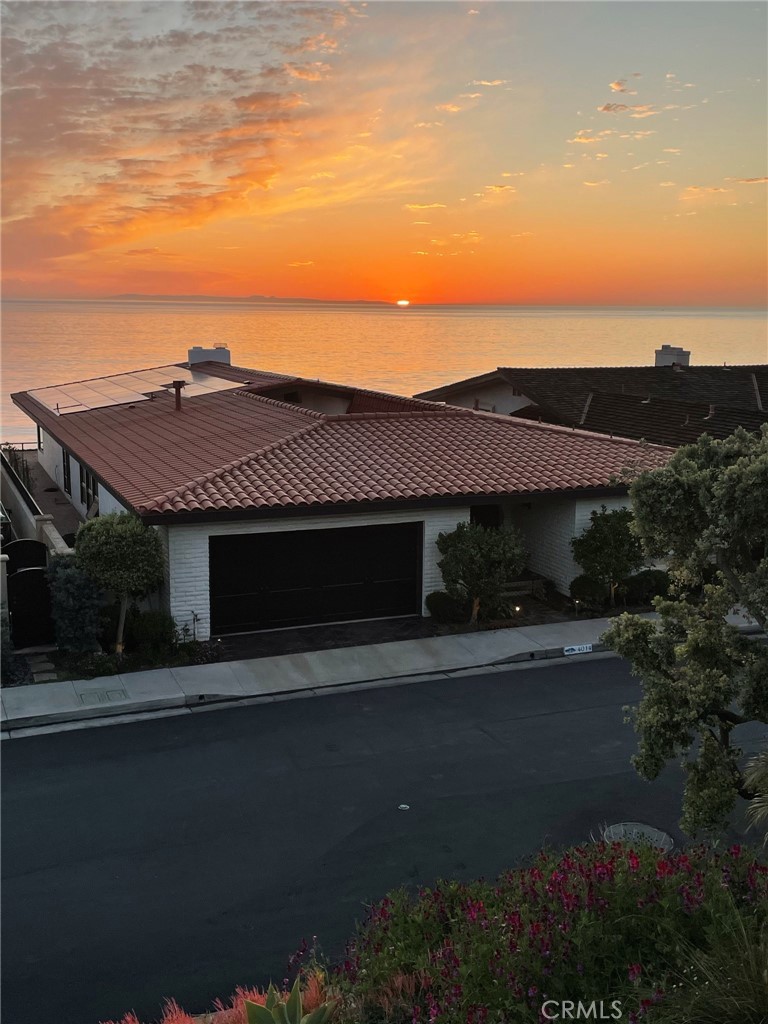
(188, 553)
(584, 510)
(548, 526)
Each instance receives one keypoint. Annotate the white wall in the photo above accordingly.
(548, 525)
(488, 396)
(188, 553)
(50, 458)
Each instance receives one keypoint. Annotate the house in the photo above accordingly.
(287, 501)
(671, 403)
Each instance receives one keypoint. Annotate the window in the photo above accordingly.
(40, 436)
(489, 516)
(89, 488)
(66, 472)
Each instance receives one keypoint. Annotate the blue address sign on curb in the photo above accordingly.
(578, 649)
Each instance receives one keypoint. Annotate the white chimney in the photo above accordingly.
(672, 355)
(218, 354)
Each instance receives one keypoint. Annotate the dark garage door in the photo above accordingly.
(296, 578)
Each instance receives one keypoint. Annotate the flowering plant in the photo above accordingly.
(604, 921)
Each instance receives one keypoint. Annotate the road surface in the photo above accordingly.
(182, 856)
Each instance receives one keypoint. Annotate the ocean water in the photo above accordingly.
(400, 350)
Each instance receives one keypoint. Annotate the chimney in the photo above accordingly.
(672, 355)
(218, 354)
(711, 413)
(177, 386)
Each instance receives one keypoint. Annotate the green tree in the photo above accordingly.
(608, 550)
(705, 512)
(75, 605)
(478, 563)
(122, 555)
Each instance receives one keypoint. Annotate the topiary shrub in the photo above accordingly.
(445, 608)
(644, 586)
(122, 555)
(589, 592)
(76, 603)
(478, 563)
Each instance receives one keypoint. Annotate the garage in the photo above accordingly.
(305, 577)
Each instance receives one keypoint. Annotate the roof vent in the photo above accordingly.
(218, 354)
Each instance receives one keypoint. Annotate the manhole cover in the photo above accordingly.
(637, 832)
(102, 696)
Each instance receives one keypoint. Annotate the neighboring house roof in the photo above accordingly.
(239, 450)
(561, 394)
(662, 420)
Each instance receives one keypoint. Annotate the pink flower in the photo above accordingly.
(634, 861)
(634, 971)
(664, 869)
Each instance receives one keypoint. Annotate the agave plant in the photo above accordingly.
(275, 1011)
(756, 777)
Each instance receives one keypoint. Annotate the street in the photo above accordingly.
(182, 856)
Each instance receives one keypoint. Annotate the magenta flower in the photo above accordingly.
(634, 971)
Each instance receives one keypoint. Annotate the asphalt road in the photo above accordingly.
(182, 856)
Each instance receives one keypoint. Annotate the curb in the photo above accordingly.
(206, 701)
(213, 700)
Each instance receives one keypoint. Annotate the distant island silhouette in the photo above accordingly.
(250, 298)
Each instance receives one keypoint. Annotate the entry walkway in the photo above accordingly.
(109, 699)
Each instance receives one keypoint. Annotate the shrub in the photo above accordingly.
(152, 633)
(608, 550)
(478, 562)
(725, 985)
(443, 607)
(16, 671)
(196, 652)
(76, 603)
(644, 586)
(589, 592)
(123, 555)
(604, 918)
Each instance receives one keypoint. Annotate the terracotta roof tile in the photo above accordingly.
(239, 450)
(350, 459)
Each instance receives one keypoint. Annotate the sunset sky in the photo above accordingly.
(547, 153)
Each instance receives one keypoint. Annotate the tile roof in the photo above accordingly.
(143, 450)
(394, 457)
(663, 420)
(241, 450)
(561, 392)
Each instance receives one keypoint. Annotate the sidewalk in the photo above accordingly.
(110, 698)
